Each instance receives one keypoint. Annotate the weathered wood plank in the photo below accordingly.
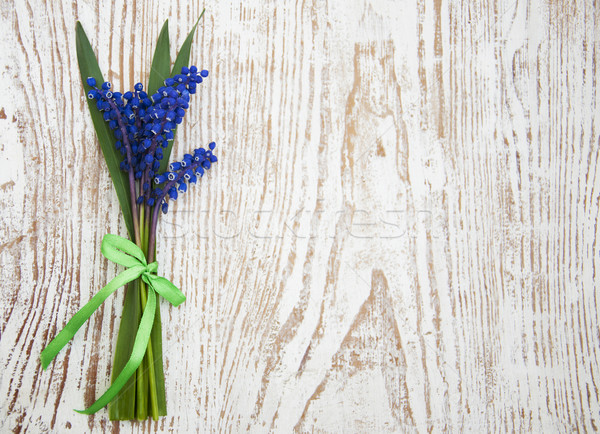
(400, 234)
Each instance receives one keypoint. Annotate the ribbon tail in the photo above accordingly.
(67, 333)
(137, 354)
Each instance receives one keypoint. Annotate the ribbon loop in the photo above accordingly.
(123, 252)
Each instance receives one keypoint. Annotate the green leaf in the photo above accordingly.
(183, 59)
(123, 406)
(161, 62)
(159, 375)
(88, 67)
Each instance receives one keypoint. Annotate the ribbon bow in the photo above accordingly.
(126, 253)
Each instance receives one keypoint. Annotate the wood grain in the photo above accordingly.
(400, 236)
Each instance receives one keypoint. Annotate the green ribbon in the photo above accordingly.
(126, 253)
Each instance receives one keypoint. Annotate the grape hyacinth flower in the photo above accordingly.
(143, 125)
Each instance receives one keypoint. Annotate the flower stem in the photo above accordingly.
(146, 369)
(132, 189)
(149, 362)
(152, 234)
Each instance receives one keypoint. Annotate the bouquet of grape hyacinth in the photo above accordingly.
(136, 131)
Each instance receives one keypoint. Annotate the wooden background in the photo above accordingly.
(401, 233)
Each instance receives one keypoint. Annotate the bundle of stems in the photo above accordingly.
(136, 131)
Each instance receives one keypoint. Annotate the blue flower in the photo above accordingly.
(143, 126)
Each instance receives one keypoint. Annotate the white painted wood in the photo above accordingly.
(401, 233)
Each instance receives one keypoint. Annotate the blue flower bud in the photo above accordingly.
(164, 207)
(138, 86)
(128, 113)
(128, 95)
(91, 81)
(182, 187)
(140, 200)
(193, 69)
(169, 82)
(173, 193)
(160, 179)
(150, 201)
(204, 73)
(175, 166)
(148, 159)
(184, 70)
(171, 176)
(106, 85)
(212, 145)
